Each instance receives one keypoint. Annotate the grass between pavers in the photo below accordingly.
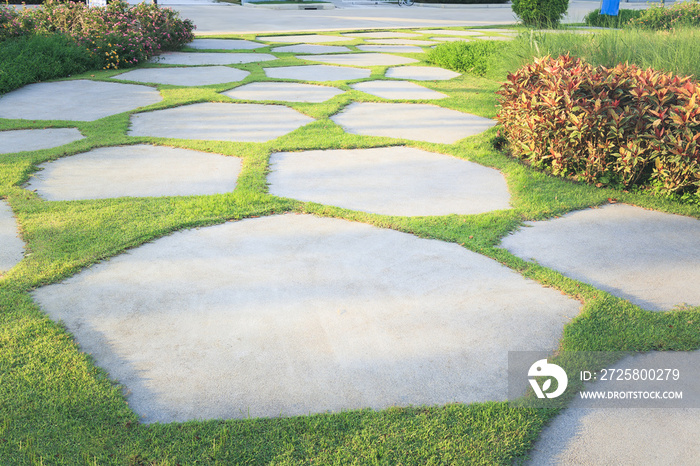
(57, 407)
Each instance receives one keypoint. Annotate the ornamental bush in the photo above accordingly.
(466, 57)
(683, 14)
(540, 13)
(623, 18)
(620, 126)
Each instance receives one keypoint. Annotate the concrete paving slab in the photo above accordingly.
(360, 59)
(210, 58)
(317, 73)
(20, 140)
(650, 258)
(135, 171)
(400, 42)
(421, 73)
(304, 39)
(398, 90)
(11, 245)
(287, 92)
(417, 122)
(293, 314)
(587, 436)
(450, 32)
(389, 181)
(390, 48)
(311, 48)
(380, 35)
(219, 122)
(80, 100)
(196, 76)
(451, 39)
(224, 44)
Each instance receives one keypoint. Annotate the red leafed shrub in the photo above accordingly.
(617, 126)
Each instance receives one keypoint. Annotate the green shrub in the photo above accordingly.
(466, 57)
(12, 24)
(615, 126)
(28, 59)
(595, 19)
(686, 14)
(540, 13)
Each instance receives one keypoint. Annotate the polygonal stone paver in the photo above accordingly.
(135, 171)
(80, 100)
(293, 314)
(210, 58)
(20, 140)
(11, 245)
(317, 73)
(311, 48)
(219, 122)
(400, 42)
(650, 258)
(359, 59)
(287, 92)
(198, 76)
(390, 48)
(421, 73)
(389, 181)
(381, 34)
(448, 32)
(224, 44)
(398, 90)
(304, 39)
(418, 122)
(586, 435)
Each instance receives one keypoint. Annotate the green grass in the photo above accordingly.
(57, 407)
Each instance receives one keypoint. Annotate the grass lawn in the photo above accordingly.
(57, 407)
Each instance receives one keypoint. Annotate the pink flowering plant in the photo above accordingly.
(683, 14)
(119, 35)
(12, 24)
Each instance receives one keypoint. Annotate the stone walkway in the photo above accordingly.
(295, 314)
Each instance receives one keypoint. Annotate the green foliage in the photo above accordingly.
(33, 58)
(12, 24)
(656, 17)
(467, 57)
(540, 13)
(611, 126)
(595, 19)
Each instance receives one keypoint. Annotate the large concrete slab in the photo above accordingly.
(380, 34)
(291, 315)
(304, 39)
(287, 92)
(317, 73)
(11, 245)
(311, 48)
(135, 171)
(389, 180)
(196, 76)
(360, 59)
(80, 100)
(20, 140)
(650, 258)
(398, 90)
(421, 73)
(451, 32)
(587, 436)
(390, 48)
(210, 58)
(225, 44)
(417, 122)
(219, 122)
(400, 42)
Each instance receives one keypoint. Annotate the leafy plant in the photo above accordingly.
(466, 57)
(611, 126)
(540, 13)
(595, 19)
(659, 17)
